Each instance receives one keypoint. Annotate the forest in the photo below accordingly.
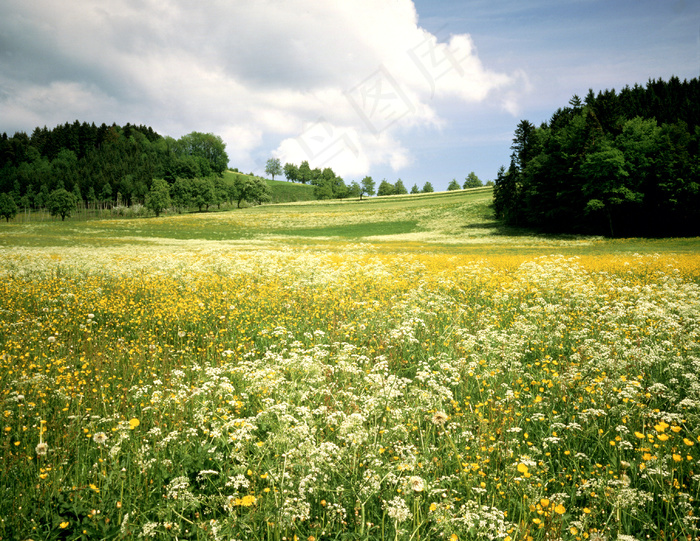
(614, 164)
(106, 165)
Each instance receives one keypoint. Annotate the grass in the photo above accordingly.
(399, 368)
(282, 191)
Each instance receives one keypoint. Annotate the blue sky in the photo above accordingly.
(418, 90)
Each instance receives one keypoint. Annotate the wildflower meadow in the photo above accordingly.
(337, 389)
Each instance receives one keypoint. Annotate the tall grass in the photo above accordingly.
(198, 391)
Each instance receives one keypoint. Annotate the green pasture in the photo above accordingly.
(456, 222)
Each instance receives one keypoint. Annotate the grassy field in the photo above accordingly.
(392, 368)
(282, 191)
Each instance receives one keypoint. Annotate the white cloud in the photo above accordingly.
(256, 73)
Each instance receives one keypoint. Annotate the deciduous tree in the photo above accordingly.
(385, 188)
(181, 193)
(472, 181)
(291, 172)
(399, 188)
(367, 186)
(202, 193)
(158, 197)
(251, 189)
(61, 203)
(273, 167)
(8, 207)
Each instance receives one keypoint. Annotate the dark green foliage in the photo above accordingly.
(472, 181)
(385, 188)
(207, 150)
(355, 190)
(453, 185)
(158, 198)
(254, 190)
(367, 186)
(327, 185)
(304, 174)
(8, 207)
(428, 187)
(108, 162)
(291, 172)
(399, 188)
(61, 203)
(181, 193)
(617, 164)
(202, 192)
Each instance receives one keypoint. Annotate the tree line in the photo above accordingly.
(328, 185)
(617, 164)
(107, 165)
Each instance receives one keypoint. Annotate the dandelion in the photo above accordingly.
(439, 418)
(417, 484)
(522, 468)
(42, 448)
(133, 423)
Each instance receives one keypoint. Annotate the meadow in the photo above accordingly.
(396, 368)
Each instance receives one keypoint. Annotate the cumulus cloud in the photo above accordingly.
(339, 84)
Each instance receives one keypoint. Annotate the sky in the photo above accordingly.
(422, 90)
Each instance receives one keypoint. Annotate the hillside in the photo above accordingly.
(282, 192)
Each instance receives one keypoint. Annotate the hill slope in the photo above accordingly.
(282, 192)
